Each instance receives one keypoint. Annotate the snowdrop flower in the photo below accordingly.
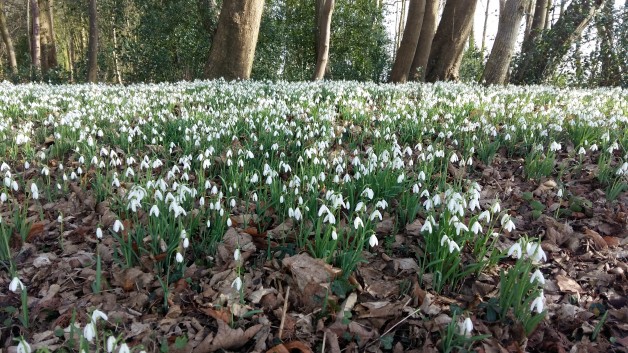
(154, 211)
(229, 222)
(357, 222)
(237, 283)
(97, 314)
(537, 276)
(89, 332)
(538, 303)
(507, 223)
(34, 191)
(3, 197)
(466, 327)
(117, 226)
(484, 216)
(368, 192)
(427, 227)
(98, 233)
(515, 251)
(474, 203)
(555, 146)
(400, 178)
(124, 348)
(476, 228)
(179, 257)
(186, 243)
(334, 235)
(15, 283)
(237, 255)
(535, 252)
(23, 347)
(111, 344)
(375, 214)
(373, 240)
(581, 151)
(559, 193)
(27, 165)
(496, 208)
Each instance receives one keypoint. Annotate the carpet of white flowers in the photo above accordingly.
(336, 216)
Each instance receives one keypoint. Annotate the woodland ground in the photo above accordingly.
(209, 198)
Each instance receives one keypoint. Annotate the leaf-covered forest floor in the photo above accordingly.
(289, 301)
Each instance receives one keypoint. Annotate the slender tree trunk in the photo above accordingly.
(541, 61)
(35, 39)
(488, 3)
(450, 39)
(71, 57)
(529, 16)
(6, 38)
(324, 11)
(407, 49)
(92, 51)
(548, 18)
(233, 47)
(116, 64)
(496, 69)
(52, 46)
(424, 45)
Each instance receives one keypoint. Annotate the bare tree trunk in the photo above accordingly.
(6, 38)
(488, 3)
(51, 47)
(71, 57)
(324, 11)
(548, 18)
(496, 69)
(233, 47)
(424, 45)
(529, 16)
(92, 50)
(35, 39)
(116, 64)
(542, 59)
(409, 42)
(451, 36)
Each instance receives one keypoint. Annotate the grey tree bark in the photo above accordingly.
(407, 48)
(233, 47)
(496, 69)
(35, 37)
(6, 38)
(92, 46)
(450, 39)
(424, 46)
(324, 11)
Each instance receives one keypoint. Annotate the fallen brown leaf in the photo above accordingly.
(567, 284)
(596, 238)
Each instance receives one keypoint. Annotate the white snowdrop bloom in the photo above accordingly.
(89, 332)
(229, 222)
(98, 233)
(368, 192)
(453, 158)
(415, 189)
(111, 344)
(232, 203)
(444, 239)
(14, 185)
(34, 191)
(23, 347)
(593, 147)
(334, 235)
(535, 252)
(186, 243)
(427, 227)
(496, 208)
(466, 327)
(179, 257)
(515, 251)
(45, 171)
(484, 216)
(581, 151)
(452, 246)
(476, 228)
(559, 193)
(375, 214)
(360, 206)
(15, 284)
(507, 223)
(373, 240)
(400, 178)
(237, 283)
(474, 203)
(97, 314)
(27, 165)
(3, 197)
(538, 303)
(117, 226)
(537, 276)
(183, 234)
(4, 167)
(357, 222)
(237, 255)
(555, 146)
(124, 348)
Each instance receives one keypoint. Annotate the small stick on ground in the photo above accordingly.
(285, 309)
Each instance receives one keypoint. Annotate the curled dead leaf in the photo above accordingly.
(290, 347)
(598, 242)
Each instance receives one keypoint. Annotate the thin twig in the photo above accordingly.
(285, 309)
